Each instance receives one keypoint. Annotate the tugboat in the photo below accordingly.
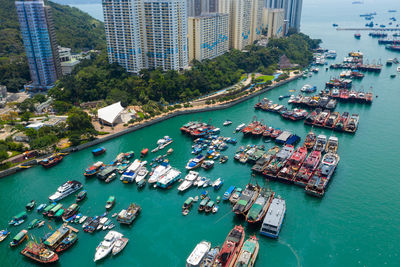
(248, 253)
(309, 142)
(293, 164)
(260, 206)
(51, 161)
(247, 199)
(308, 168)
(318, 184)
(38, 253)
(231, 247)
(94, 169)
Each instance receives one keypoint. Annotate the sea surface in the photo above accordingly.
(357, 223)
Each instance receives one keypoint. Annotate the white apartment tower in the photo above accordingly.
(208, 36)
(146, 33)
(239, 21)
(256, 20)
(123, 33)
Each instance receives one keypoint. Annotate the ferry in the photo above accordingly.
(246, 200)
(98, 151)
(260, 206)
(106, 246)
(308, 168)
(51, 161)
(320, 144)
(38, 253)
(94, 169)
(130, 174)
(231, 247)
(158, 172)
(19, 238)
(273, 220)
(129, 215)
(189, 180)
(198, 254)
(318, 184)
(248, 253)
(278, 161)
(293, 164)
(169, 178)
(65, 190)
(195, 162)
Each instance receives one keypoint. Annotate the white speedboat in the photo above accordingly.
(158, 172)
(227, 122)
(240, 127)
(106, 246)
(141, 174)
(198, 254)
(65, 190)
(189, 180)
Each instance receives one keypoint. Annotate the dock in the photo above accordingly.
(367, 29)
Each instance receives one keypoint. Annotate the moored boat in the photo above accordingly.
(38, 253)
(195, 162)
(18, 219)
(119, 245)
(189, 180)
(51, 161)
(81, 196)
(106, 246)
(110, 202)
(71, 211)
(332, 145)
(229, 192)
(273, 220)
(98, 151)
(231, 247)
(65, 190)
(198, 254)
(4, 234)
(260, 206)
(129, 215)
(209, 259)
(169, 178)
(30, 205)
(94, 169)
(248, 253)
(308, 168)
(352, 124)
(278, 161)
(19, 238)
(320, 144)
(309, 142)
(293, 164)
(246, 200)
(342, 122)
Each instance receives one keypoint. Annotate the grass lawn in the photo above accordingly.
(265, 78)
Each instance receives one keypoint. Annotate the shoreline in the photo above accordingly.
(153, 121)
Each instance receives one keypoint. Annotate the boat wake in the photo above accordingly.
(293, 251)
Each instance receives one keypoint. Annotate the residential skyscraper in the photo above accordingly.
(123, 33)
(274, 19)
(257, 7)
(292, 9)
(208, 36)
(41, 49)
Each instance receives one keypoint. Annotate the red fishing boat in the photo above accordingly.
(322, 118)
(333, 118)
(249, 128)
(144, 152)
(309, 142)
(231, 247)
(310, 119)
(344, 94)
(258, 130)
(292, 166)
(308, 168)
(276, 133)
(268, 132)
(339, 126)
(39, 253)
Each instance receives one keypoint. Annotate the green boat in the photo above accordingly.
(33, 223)
(188, 203)
(20, 217)
(248, 253)
(48, 208)
(54, 210)
(59, 213)
(110, 202)
(209, 206)
(19, 238)
(260, 206)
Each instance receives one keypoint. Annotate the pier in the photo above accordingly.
(367, 29)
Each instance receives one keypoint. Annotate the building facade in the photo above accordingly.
(257, 24)
(292, 9)
(274, 19)
(239, 21)
(208, 36)
(38, 35)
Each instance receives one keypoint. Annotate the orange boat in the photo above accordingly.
(231, 247)
(293, 165)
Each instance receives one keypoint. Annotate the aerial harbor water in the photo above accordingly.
(355, 223)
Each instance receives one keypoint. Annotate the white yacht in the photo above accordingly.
(189, 180)
(169, 178)
(130, 174)
(158, 172)
(198, 254)
(240, 127)
(65, 190)
(141, 174)
(106, 246)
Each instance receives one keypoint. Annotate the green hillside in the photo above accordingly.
(74, 29)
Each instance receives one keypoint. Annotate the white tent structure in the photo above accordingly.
(109, 115)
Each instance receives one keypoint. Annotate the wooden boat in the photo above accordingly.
(30, 205)
(33, 223)
(210, 205)
(188, 203)
(248, 253)
(18, 219)
(278, 161)
(51, 161)
(39, 253)
(231, 247)
(310, 119)
(94, 169)
(19, 238)
(235, 196)
(203, 204)
(260, 206)
(4, 234)
(119, 245)
(110, 202)
(322, 118)
(81, 196)
(48, 208)
(247, 198)
(309, 142)
(71, 211)
(98, 151)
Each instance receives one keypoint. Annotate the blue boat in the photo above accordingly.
(292, 140)
(41, 207)
(98, 151)
(229, 192)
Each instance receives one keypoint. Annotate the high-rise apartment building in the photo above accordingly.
(239, 21)
(208, 36)
(41, 49)
(146, 33)
(275, 20)
(292, 9)
(257, 7)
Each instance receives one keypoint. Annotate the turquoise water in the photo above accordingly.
(355, 224)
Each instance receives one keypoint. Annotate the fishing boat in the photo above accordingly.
(67, 242)
(203, 204)
(198, 254)
(321, 118)
(320, 144)
(195, 162)
(210, 205)
(58, 214)
(352, 124)
(228, 192)
(332, 145)
(246, 200)
(158, 172)
(106, 246)
(278, 161)
(131, 172)
(51, 161)
(110, 202)
(71, 211)
(144, 152)
(48, 208)
(227, 122)
(65, 190)
(248, 253)
(260, 206)
(129, 215)
(209, 259)
(318, 184)
(273, 220)
(33, 223)
(308, 168)
(332, 120)
(94, 169)
(292, 165)
(61, 239)
(81, 196)
(310, 119)
(19, 238)
(169, 178)
(18, 219)
(235, 196)
(38, 253)
(189, 180)
(231, 247)
(98, 151)
(4, 234)
(310, 140)
(54, 210)
(188, 203)
(41, 207)
(119, 245)
(339, 126)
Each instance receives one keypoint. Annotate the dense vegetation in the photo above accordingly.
(74, 29)
(97, 79)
